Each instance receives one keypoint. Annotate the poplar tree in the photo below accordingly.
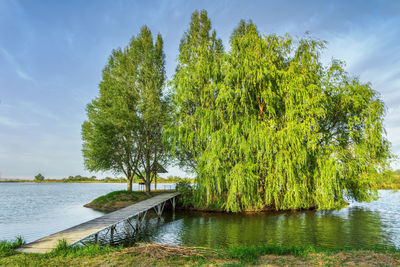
(125, 122)
(281, 130)
(194, 89)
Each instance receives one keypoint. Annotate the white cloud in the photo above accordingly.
(16, 66)
(69, 37)
(4, 121)
(24, 75)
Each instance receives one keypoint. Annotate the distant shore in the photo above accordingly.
(68, 181)
(392, 186)
(55, 181)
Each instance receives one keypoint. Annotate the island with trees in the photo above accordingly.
(262, 124)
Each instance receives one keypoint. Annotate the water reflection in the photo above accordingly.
(354, 226)
(36, 210)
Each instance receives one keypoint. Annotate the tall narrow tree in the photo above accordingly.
(125, 122)
(194, 88)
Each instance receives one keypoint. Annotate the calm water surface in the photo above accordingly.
(359, 224)
(36, 210)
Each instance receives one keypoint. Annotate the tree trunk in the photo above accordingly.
(148, 188)
(148, 182)
(129, 185)
(155, 183)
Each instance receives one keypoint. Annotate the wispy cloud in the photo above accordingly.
(4, 121)
(69, 37)
(29, 110)
(16, 66)
(38, 110)
(371, 52)
(24, 75)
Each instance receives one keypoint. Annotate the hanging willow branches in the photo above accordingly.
(268, 125)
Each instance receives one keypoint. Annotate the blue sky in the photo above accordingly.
(52, 54)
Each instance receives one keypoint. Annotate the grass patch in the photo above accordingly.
(90, 250)
(120, 199)
(121, 195)
(7, 247)
(159, 255)
(250, 254)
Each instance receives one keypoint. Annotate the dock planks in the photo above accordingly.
(80, 231)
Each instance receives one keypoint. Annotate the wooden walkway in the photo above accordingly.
(84, 230)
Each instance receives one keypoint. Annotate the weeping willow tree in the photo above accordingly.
(195, 89)
(271, 126)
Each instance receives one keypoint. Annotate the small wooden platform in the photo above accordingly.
(76, 233)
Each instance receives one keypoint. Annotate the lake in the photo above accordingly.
(36, 210)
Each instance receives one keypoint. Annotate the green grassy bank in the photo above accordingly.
(390, 180)
(120, 199)
(158, 255)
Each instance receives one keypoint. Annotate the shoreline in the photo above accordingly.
(150, 254)
(120, 199)
(393, 186)
(117, 200)
(65, 182)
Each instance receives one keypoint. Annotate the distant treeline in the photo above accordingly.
(79, 178)
(94, 179)
(389, 180)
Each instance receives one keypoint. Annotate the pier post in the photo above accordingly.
(129, 222)
(112, 235)
(173, 203)
(159, 209)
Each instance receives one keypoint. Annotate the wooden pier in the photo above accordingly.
(133, 215)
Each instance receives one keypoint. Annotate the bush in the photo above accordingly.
(64, 250)
(39, 177)
(186, 190)
(7, 247)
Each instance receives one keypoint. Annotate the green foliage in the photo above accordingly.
(64, 250)
(172, 179)
(186, 190)
(7, 247)
(250, 254)
(169, 179)
(112, 180)
(193, 89)
(79, 178)
(94, 255)
(388, 180)
(266, 124)
(39, 177)
(121, 195)
(125, 123)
